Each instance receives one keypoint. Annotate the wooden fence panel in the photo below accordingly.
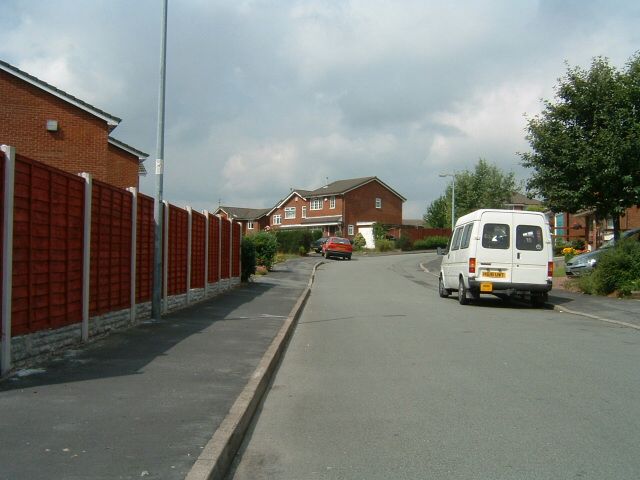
(214, 248)
(177, 264)
(198, 232)
(47, 253)
(237, 235)
(224, 245)
(110, 277)
(145, 238)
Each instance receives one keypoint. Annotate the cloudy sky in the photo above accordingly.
(268, 95)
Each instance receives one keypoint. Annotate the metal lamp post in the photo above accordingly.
(453, 197)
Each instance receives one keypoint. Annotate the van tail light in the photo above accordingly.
(472, 265)
(550, 269)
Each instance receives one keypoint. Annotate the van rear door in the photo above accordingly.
(493, 255)
(531, 252)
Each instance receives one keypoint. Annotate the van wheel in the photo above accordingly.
(462, 293)
(538, 301)
(443, 292)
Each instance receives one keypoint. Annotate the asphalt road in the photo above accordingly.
(383, 379)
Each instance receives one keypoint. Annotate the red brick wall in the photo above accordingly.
(326, 210)
(123, 168)
(79, 145)
(360, 206)
(631, 219)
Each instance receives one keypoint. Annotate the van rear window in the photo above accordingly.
(496, 236)
(529, 237)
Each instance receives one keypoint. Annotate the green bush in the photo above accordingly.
(618, 270)
(302, 251)
(404, 243)
(359, 242)
(248, 258)
(290, 241)
(266, 246)
(385, 245)
(316, 234)
(431, 243)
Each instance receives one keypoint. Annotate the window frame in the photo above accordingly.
(378, 202)
(277, 219)
(332, 202)
(350, 230)
(249, 225)
(315, 204)
(290, 213)
(304, 211)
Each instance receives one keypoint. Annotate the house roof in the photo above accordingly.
(340, 187)
(111, 120)
(239, 213)
(519, 199)
(133, 151)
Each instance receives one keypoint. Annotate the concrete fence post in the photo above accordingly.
(86, 255)
(134, 250)
(7, 256)
(189, 251)
(206, 252)
(165, 259)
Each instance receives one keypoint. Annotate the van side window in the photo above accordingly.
(466, 236)
(496, 236)
(529, 237)
(455, 245)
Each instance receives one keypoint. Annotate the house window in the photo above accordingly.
(332, 202)
(316, 204)
(304, 212)
(277, 219)
(249, 225)
(378, 203)
(290, 212)
(350, 230)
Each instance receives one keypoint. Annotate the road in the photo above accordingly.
(383, 379)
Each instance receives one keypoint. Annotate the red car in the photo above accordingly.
(337, 247)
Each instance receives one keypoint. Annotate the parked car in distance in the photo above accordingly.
(586, 262)
(337, 247)
(316, 245)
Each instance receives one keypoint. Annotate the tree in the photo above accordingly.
(586, 145)
(487, 186)
(438, 213)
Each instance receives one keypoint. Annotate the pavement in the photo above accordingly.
(172, 399)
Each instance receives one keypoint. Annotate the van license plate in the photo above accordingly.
(494, 274)
(486, 287)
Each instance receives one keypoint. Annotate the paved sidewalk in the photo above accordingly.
(619, 311)
(145, 402)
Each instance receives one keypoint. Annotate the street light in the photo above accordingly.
(453, 198)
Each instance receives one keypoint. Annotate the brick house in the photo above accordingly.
(56, 128)
(348, 206)
(252, 220)
(584, 226)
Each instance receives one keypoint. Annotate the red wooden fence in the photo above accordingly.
(47, 247)
(177, 258)
(214, 248)
(110, 285)
(144, 248)
(224, 245)
(198, 227)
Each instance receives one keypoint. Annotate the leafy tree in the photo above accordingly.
(486, 186)
(586, 144)
(438, 213)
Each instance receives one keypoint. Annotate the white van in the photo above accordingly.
(502, 252)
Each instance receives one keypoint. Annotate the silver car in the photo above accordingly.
(585, 262)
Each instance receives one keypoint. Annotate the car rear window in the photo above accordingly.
(344, 241)
(495, 236)
(529, 237)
